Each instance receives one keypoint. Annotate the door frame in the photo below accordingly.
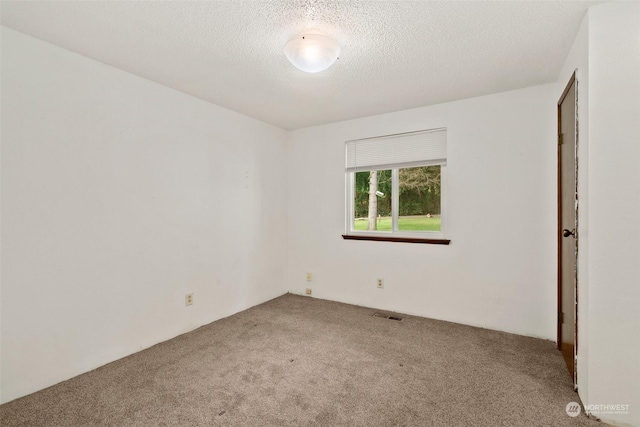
(560, 227)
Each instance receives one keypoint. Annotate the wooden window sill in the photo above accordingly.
(397, 239)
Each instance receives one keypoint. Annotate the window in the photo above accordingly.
(396, 185)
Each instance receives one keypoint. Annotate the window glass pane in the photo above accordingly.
(372, 200)
(419, 199)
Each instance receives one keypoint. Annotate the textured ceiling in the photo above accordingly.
(395, 54)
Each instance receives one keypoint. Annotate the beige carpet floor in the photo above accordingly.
(298, 361)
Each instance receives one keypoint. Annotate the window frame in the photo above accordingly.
(437, 237)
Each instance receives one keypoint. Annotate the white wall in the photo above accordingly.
(606, 53)
(499, 271)
(118, 196)
(614, 208)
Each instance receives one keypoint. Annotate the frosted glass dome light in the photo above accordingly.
(312, 52)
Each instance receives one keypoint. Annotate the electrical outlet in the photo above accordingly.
(308, 291)
(380, 283)
(188, 299)
(309, 277)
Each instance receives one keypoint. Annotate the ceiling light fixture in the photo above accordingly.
(312, 52)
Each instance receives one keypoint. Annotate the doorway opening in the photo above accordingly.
(568, 226)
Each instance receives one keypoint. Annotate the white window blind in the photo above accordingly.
(421, 148)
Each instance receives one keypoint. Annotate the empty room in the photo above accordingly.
(319, 212)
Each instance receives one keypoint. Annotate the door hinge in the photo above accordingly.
(561, 318)
(560, 139)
